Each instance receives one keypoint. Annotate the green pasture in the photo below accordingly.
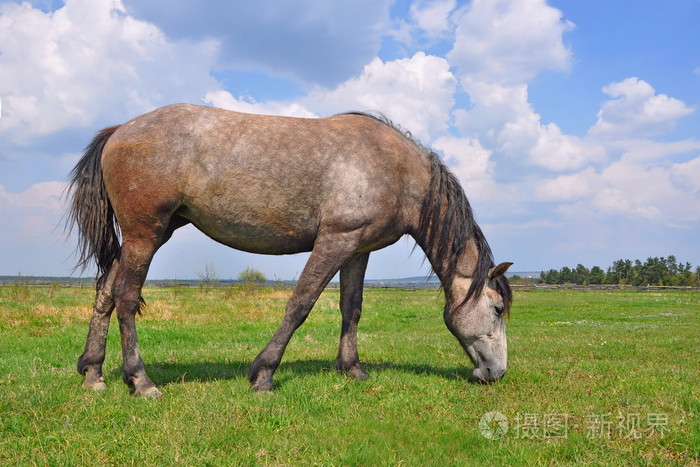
(599, 378)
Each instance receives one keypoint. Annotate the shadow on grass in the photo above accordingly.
(166, 373)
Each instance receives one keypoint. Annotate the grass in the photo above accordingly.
(594, 378)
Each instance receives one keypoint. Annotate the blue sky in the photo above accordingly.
(573, 126)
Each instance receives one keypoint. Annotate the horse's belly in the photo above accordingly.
(258, 235)
(264, 244)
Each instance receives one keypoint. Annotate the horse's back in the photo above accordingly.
(276, 180)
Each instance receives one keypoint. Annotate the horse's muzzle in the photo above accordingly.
(487, 374)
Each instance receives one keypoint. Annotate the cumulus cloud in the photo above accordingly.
(499, 46)
(636, 109)
(467, 157)
(509, 41)
(493, 106)
(87, 62)
(432, 17)
(503, 118)
(647, 151)
(44, 196)
(631, 187)
(416, 92)
(685, 177)
(644, 191)
(567, 187)
(639, 178)
(557, 151)
(477, 171)
(32, 213)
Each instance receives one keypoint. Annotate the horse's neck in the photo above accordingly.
(449, 265)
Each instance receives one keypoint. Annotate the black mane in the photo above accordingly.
(447, 231)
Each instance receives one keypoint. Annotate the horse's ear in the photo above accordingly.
(499, 270)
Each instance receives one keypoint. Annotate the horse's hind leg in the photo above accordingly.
(352, 276)
(134, 262)
(90, 362)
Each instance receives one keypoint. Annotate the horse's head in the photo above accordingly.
(478, 322)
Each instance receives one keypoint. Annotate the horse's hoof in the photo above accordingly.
(262, 388)
(95, 385)
(357, 373)
(150, 393)
(353, 370)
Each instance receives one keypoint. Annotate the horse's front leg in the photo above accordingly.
(352, 276)
(327, 257)
(90, 362)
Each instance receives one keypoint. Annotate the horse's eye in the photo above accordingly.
(499, 309)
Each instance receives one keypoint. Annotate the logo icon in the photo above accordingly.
(493, 425)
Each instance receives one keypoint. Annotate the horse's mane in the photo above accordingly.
(446, 231)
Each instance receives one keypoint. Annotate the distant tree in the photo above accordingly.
(251, 276)
(619, 272)
(566, 276)
(672, 266)
(653, 271)
(550, 277)
(208, 276)
(634, 277)
(581, 274)
(596, 276)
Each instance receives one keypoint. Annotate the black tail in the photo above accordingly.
(91, 210)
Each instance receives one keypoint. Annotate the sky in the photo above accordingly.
(573, 126)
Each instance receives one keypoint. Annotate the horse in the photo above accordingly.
(340, 187)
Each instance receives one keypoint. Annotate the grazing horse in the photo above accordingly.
(339, 187)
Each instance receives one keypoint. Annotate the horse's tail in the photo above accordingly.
(90, 209)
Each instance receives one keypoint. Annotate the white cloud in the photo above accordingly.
(416, 93)
(638, 191)
(504, 120)
(471, 163)
(499, 46)
(432, 17)
(468, 159)
(636, 109)
(645, 150)
(509, 41)
(40, 197)
(88, 62)
(567, 187)
(686, 177)
(33, 213)
(641, 181)
(633, 188)
(493, 105)
(557, 151)
(474, 167)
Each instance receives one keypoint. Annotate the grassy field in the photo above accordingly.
(594, 378)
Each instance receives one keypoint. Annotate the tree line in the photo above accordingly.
(653, 271)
